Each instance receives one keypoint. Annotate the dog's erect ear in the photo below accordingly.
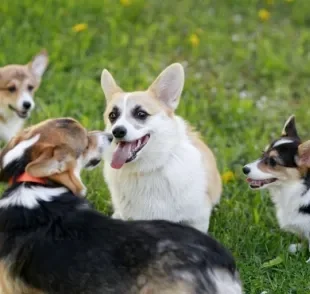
(39, 64)
(169, 85)
(58, 164)
(289, 129)
(303, 159)
(108, 85)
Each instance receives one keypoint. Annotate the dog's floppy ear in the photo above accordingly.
(303, 158)
(58, 164)
(52, 160)
(169, 85)
(289, 129)
(39, 64)
(108, 85)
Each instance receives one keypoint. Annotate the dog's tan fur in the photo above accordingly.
(214, 189)
(55, 156)
(10, 285)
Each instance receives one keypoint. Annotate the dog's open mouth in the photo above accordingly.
(21, 114)
(254, 184)
(127, 151)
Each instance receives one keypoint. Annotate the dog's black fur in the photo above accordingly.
(65, 246)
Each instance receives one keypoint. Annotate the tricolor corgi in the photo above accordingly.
(18, 83)
(284, 169)
(54, 242)
(157, 167)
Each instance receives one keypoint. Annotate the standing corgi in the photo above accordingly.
(284, 170)
(156, 166)
(18, 84)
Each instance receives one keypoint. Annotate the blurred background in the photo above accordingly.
(247, 66)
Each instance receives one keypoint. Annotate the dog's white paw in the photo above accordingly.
(294, 248)
(308, 260)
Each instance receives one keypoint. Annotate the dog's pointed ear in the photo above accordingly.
(289, 129)
(108, 85)
(39, 63)
(168, 86)
(303, 158)
(58, 164)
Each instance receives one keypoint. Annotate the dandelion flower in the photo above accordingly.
(264, 14)
(125, 2)
(194, 40)
(228, 177)
(80, 27)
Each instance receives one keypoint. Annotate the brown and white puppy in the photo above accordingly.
(284, 169)
(18, 83)
(53, 242)
(156, 166)
(60, 148)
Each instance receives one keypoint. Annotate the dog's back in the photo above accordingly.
(67, 247)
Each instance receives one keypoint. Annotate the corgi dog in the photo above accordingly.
(54, 242)
(18, 83)
(284, 169)
(157, 167)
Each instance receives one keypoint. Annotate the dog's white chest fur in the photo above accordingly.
(176, 191)
(10, 127)
(288, 199)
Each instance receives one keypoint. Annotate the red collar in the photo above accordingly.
(27, 178)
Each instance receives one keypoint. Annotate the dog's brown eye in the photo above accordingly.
(272, 162)
(30, 87)
(12, 89)
(140, 114)
(113, 116)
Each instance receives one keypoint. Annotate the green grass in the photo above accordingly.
(237, 53)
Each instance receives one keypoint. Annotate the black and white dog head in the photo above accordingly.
(284, 160)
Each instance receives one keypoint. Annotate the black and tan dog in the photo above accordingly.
(53, 241)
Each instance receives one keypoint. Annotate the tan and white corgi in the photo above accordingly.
(18, 84)
(156, 166)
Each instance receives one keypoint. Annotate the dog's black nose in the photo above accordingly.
(26, 105)
(119, 132)
(246, 170)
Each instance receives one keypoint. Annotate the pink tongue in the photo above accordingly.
(121, 154)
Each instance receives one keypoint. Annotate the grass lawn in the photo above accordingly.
(247, 69)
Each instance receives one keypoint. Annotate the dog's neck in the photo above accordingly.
(27, 178)
(291, 189)
(30, 195)
(26, 206)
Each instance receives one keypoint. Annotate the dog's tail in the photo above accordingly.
(201, 269)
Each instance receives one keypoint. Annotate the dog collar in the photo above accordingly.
(24, 178)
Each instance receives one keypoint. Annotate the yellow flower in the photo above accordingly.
(270, 2)
(125, 2)
(80, 27)
(264, 14)
(194, 40)
(228, 177)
